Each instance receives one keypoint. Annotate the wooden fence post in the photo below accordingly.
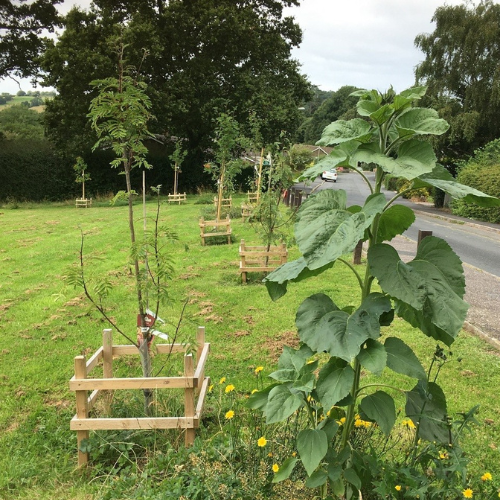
(200, 342)
(243, 261)
(358, 250)
(422, 235)
(107, 365)
(189, 399)
(81, 407)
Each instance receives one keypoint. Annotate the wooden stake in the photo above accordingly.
(107, 365)
(189, 399)
(81, 408)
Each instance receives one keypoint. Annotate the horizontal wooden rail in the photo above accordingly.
(114, 384)
(96, 424)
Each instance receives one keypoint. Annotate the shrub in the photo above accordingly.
(481, 172)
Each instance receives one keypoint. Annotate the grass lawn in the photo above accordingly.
(45, 323)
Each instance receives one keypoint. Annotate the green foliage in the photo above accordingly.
(482, 171)
(20, 122)
(462, 74)
(45, 174)
(21, 40)
(427, 292)
(338, 105)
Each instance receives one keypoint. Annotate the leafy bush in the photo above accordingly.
(481, 172)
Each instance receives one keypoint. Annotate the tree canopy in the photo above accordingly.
(22, 25)
(337, 105)
(462, 73)
(204, 58)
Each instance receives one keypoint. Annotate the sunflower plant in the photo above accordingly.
(427, 292)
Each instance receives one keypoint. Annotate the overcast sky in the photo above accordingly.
(365, 43)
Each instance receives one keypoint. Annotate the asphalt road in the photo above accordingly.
(477, 245)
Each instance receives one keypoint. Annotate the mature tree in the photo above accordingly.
(462, 71)
(205, 58)
(340, 105)
(22, 25)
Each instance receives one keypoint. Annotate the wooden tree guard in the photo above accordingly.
(259, 259)
(216, 228)
(83, 202)
(177, 197)
(225, 202)
(194, 383)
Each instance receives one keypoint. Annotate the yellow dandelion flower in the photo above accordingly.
(229, 388)
(408, 422)
(486, 477)
(262, 442)
(276, 468)
(341, 421)
(222, 380)
(210, 388)
(255, 390)
(229, 415)
(443, 455)
(258, 370)
(358, 423)
(468, 493)
(366, 424)
(397, 487)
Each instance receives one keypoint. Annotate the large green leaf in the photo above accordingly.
(312, 445)
(380, 408)
(401, 359)
(442, 179)
(414, 159)
(428, 290)
(276, 282)
(426, 406)
(294, 359)
(344, 131)
(438, 252)
(395, 277)
(258, 400)
(405, 98)
(312, 310)
(326, 230)
(395, 220)
(373, 356)
(420, 121)
(281, 403)
(324, 328)
(334, 382)
(365, 321)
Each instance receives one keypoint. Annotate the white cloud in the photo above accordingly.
(365, 43)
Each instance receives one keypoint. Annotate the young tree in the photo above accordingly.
(81, 176)
(119, 115)
(461, 72)
(177, 158)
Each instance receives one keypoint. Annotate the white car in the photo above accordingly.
(329, 175)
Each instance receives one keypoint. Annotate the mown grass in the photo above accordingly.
(45, 323)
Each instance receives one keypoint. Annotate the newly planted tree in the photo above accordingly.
(119, 115)
(228, 145)
(177, 158)
(80, 168)
(427, 292)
